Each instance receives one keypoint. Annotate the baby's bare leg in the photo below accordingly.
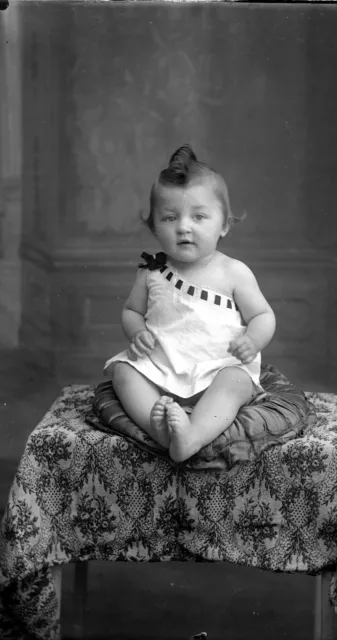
(213, 414)
(142, 401)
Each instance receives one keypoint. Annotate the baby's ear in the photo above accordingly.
(226, 228)
(224, 232)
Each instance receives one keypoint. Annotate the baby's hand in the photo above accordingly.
(142, 344)
(243, 348)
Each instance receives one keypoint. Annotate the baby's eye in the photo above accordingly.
(169, 218)
(199, 216)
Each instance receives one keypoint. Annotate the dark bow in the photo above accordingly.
(153, 262)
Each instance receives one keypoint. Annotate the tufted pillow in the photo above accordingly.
(272, 418)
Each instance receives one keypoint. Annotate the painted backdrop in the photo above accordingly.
(108, 93)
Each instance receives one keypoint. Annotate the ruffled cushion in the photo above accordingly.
(279, 414)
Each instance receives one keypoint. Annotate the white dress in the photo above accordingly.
(193, 327)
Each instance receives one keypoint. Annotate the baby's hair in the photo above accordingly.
(183, 169)
(183, 164)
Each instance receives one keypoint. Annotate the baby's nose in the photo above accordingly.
(184, 225)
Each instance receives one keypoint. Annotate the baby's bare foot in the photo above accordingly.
(159, 421)
(179, 428)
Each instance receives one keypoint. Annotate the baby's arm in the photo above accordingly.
(135, 306)
(133, 318)
(255, 310)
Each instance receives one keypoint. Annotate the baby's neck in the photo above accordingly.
(195, 266)
(213, 274)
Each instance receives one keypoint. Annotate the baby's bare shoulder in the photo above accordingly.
(238, 267)
(233, 266)
(235, 271)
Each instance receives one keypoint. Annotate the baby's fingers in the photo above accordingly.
(139, 345)
(141, 348)
(232, 348)
(134, 353)
(147, 340)
(238, 351)
(246, 355)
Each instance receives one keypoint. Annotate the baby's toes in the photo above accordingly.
(173, 413)
(158, 408)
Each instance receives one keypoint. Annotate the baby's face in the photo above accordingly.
(189, 221)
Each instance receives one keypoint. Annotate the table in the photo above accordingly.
(80, 494)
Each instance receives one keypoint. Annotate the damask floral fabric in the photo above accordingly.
(82, 494)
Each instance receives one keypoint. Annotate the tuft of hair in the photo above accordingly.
(182, 165)
(183, 169)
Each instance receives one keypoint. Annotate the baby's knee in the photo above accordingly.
(238, 381)
(120, 373)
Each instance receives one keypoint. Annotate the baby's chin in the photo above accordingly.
(191, 257)
(185, 255)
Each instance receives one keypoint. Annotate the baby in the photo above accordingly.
(195, 318)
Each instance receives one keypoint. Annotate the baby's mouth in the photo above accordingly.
(185, 242)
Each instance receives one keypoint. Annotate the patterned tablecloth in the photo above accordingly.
(82, 494)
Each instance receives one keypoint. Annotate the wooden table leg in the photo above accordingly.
(323, 609)
(79, 600)
(56, 572)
